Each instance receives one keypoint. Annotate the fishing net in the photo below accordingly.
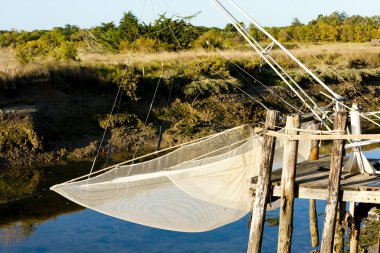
(198, 187)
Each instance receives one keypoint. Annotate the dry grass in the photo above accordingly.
(321, 57)
(309, 53)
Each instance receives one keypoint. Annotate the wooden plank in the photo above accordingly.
(263, 186)
(321, 194)
(313, 178)
(285, 230)
(375, 185)
(310, 137)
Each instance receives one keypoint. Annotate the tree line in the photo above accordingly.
(174, 34)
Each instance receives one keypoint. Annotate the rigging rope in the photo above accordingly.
(331, 69)
(262, 53)
(342, 104)
(261, 103)
(214, 71)
(148, 114)
(258, 81)
(337, 96)
(109, 119)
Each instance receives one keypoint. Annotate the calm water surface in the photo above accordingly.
(48, 223)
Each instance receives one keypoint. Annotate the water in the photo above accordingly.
(89, 231)
(49, 223)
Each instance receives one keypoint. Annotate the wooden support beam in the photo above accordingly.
(263, 186)
(287, 184)
(309, 137)
(322, 194)
(340, 123)
(339, 230)
(314, 156)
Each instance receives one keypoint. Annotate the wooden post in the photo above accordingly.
(263, 185)
(313, 224)
(314, 155)
(355, 229)
(287, 186)
(314, 147)
(339, 230)
(340, 123)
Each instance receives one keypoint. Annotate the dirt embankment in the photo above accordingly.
(55, 111)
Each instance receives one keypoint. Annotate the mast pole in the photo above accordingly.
(249, 39)
(337, 96)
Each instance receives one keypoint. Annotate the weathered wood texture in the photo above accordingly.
(314, 147)
(263, 186)
(313, 223)
(287, 184)
(312, 180)
(355, 228)
(340, 123)
(314, 156)
(339, 230)
(326, 137)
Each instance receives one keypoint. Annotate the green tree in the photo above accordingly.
(129, 27)
(296, 22)
(175, 34)
(108, 35)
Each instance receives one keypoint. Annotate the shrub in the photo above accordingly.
(210, 40)
(210, 66)
(205, 86)
(31, 50)
(67, 51)
(128, 121)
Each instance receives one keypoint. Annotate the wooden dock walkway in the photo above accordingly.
(319, 178)
(312, 178)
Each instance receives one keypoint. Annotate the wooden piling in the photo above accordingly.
(339, 230)
(313, 223)
(314, 155)
(314, 147)
(355, 228)
(287, 185)
(263, 186)
(340, 123)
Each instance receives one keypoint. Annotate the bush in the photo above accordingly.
(31, 50)
(125, 120)
(210, 40)
(205, 86)
(214, 67)
(67, 51)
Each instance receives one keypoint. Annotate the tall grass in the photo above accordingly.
(316, 56)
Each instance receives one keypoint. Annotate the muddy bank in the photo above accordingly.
(57, 113)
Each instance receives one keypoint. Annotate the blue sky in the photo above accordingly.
(45, 14)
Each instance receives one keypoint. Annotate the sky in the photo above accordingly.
(44, 14)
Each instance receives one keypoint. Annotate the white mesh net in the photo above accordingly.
(198, 187)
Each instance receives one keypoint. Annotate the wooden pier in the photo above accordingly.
(316, 179)
(312, 178)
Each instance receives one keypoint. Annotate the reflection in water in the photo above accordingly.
(16, 232)
(20, 218)
(47, 222)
